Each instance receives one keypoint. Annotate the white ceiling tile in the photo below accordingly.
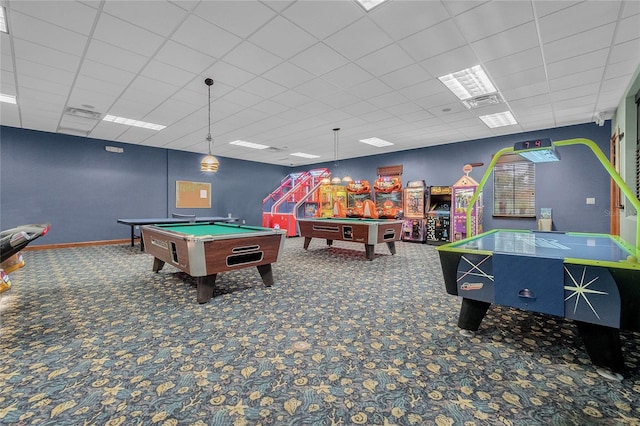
(115, 57)
(44, 34)
(347, 76)
(44, 72)
(167, 73)
(573, 64)
(622, 69)
(262, 87)
(458, 7)
(414, 16)
(242, 97)
(160, 17)
(433, 41)
(282, 38)
(577, 19)
(183, 57)
(242, 18)
(98, 101)
(269, 107)
(451, 61)
(323, 18)
(589, 41)
(120, 33)
(493, 17)
(287, 74)
(385, 60)
(10, 115)
(523, 92)
(197, 33)
(358, 39)
(370, 88)
(624, 52)
(628, 29)
(577, 79)
(423, 89)
(522, 78)
(406, 76)
(518, 62)
(359, 108)
(73, 16)
(388, 100)
(319, 59)
(544, 8)
(317, 88)
(507, 43)
(291, 98)
(252, 58)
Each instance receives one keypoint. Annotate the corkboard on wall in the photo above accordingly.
(193, 195)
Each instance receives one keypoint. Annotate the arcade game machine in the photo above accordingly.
(416, 199)
(387, 191)
(281, 208)
(461, 194)
(359, 203)
(438, 221)
(333, 200)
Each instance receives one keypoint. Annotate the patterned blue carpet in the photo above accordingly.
(93, 336)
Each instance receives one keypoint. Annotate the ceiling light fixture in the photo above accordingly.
(131, 122)
(369, 4)
(304, 155)
(209, 163)
(10, 99)
(468, 83)
(499, 119)
(3, 20)
(376, 142)
(249, 144)
(336, 180)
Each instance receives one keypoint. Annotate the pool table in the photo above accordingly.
(367, 231)
(205, 250)
(592, 279)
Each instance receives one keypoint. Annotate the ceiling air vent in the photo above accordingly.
(274, 149)
(482, 101)
(82, 113)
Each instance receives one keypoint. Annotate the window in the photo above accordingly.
(514, 187)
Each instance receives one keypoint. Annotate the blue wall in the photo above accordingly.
(80, 188)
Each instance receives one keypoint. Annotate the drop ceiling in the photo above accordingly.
(287, 72)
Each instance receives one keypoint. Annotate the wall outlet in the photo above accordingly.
(591, 200)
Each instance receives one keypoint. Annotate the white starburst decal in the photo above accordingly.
(580, 290)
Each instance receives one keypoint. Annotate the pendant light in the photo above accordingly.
(336, 180)
(209, 163)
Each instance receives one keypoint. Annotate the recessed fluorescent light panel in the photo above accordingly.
(376, 142)
(249, 144)
(303, 155)
(468, 83)
(130, 122)
(499, 119)
(3, 20)
(370, 4)
(10, 99)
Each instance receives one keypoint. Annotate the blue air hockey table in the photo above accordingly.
(592, 279)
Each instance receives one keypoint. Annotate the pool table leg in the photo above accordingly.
(307, 240)
(157, 264)
(370, 251)
(266, 273)
(392, 247)
(471, 314)
(205, 287)
(603, 345)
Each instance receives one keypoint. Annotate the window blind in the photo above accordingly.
(514, 189)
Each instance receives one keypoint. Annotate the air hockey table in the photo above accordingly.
(592, 279)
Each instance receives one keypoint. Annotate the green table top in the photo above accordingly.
(204, 230)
